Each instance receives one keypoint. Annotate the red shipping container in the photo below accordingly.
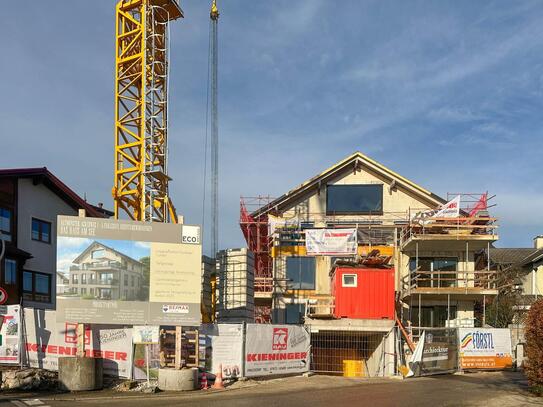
(363, 293)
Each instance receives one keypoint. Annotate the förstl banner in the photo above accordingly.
(330, 241)
(276, 349)
(485, 348)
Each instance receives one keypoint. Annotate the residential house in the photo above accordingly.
(396, 221)
(30, 200)
(105, 273)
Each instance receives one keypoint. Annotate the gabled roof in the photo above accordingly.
(94, 245)
(43, 175)
(354, 161)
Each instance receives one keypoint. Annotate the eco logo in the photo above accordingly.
(280, 338)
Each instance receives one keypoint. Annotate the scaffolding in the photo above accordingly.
(255, 231)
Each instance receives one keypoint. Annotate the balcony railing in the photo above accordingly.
(97, 266)
(450, 280)
(456, 228)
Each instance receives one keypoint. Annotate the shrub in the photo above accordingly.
(534, 347)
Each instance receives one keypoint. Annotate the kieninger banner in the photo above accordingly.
(47, 339)
(276, 349)
(485, 348)
(330, 241)
(10, 336)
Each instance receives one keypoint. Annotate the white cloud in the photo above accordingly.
(65, 243)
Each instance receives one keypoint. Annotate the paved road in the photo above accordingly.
(481, 389)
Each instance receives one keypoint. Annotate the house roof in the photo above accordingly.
(506, 256)
(44, 176)
(96, 243)
(354, 161)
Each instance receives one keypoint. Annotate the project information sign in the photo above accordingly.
(485, 348)
(127, 272)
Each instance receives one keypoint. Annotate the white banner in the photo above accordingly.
(10, 338)
(47, 339)
(227, 350)
(449, 210)
(275, 222)
(485, 348)
(330, 241)
(276, 349)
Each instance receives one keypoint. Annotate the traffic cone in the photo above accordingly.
(203, 382)
(218, 379)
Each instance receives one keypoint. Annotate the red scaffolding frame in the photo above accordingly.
(255, 231)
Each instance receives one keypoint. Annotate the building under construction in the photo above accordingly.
(430, 244)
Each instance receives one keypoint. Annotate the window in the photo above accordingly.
(301, 273)
(36, 286)
(5, 224)
(10, 272)
(83, 278)
(350, 280)
(75, 279)
(83, 291)
(41, 230)
(432, 317)
(98, 254)
(295, 313)
(132, 281)
(354, 199)
(126, 280)
(433, 264)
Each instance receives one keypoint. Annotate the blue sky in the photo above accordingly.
(448, 94)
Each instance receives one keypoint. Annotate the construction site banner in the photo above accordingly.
(436, 353)
(126, 272)
(330, 242)
(10, 335)
(485, 348)
(227, 349)
(276, 349)
(46, 339)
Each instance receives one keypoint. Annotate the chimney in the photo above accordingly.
(538, 242)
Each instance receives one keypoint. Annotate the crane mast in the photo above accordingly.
(214, 15)
(141, 109)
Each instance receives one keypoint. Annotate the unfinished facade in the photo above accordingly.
(433, 261)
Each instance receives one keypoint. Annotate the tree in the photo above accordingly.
(534, 347)
(501, 312)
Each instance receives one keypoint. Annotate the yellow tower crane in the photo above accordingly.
(141, 109)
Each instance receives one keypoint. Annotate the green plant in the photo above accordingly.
(534, 347)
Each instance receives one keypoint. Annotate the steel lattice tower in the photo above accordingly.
(141, 109)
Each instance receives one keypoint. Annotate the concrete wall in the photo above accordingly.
(38, 201)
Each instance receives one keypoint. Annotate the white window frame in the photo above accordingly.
(354, 285)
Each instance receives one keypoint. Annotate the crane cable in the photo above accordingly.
(207, 129)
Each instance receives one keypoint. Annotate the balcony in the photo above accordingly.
(102, 265)
(478, 230)
(477, 283)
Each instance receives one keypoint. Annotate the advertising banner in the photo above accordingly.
(330, 242)
(145, 334)
(47, 339)
(227, 349)
(485, 348)
(10, 335)
(276, 349)
(436, 353)
(129, 273)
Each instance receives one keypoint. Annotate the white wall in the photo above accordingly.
(38, 201)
